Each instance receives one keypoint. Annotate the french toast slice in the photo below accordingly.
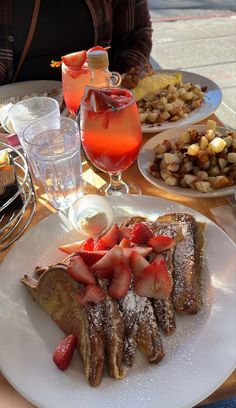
(115, 334)
(148, 336)
(187, 257)
(56, 292)
(163, 308)
(141, 329)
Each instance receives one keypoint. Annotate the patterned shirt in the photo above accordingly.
(122, 24)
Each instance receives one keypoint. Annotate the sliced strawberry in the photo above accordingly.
(125, 243)
(91, 257)
(75, 59)
(64, 351)
(144, 251)
(112, 258)
(141, 233)
(91, 294)
(101, 102)
(137, 263)
(104, 273)
(79, 271)
(161, 243)
(120, 282)
(154, 281)
(126, 232)
(111, 238)
(98, 245)
(88, 244)
(98, 48)
(71, 248)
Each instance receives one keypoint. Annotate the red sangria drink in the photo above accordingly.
(111, 133)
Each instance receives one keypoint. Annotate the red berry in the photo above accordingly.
(79, 271)
(120, 282)
(91, 294)
(141, 233)
(161, 243)
(64, 351)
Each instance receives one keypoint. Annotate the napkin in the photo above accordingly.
(225, 216)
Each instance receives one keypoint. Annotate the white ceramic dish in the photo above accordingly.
(146, 157)
(21, 89)
(212, 100)
(201, 352)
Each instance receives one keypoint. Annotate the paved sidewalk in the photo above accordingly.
(204, 43)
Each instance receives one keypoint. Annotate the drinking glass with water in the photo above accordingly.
(56, 155)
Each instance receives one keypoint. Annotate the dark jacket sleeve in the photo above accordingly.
(132, 35)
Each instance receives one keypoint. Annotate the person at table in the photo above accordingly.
(64, 27)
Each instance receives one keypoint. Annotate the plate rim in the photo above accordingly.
(139, 198)
(188, 192)
(171, 125)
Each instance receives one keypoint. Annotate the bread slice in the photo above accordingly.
(187, 256)
(56, 292)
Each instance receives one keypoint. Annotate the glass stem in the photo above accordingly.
(117, 186)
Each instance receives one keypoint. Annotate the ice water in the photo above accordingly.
(58, 159)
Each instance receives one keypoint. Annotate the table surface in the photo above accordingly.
(10, 398)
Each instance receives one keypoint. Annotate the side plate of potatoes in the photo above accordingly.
(191, 101)
(197, 160)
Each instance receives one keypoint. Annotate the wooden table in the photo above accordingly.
(9, 398)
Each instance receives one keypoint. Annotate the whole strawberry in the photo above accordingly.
(64, 351)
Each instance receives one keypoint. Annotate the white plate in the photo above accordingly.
(212, 100)
(21, 89)
(199, 356)
(146, 157)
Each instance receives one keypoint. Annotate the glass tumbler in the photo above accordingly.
(56, 154)
(25, 112)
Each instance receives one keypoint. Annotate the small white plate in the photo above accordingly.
(147, 155)
(12, 93)
(212, 99)
(200, 355)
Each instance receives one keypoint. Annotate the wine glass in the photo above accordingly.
(74, 80)
(111, 134)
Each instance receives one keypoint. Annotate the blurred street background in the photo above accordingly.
(198, 36)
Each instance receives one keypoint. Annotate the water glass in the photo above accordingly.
(26, 111)
(56, 154)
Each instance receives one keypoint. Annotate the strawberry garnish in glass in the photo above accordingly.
(111, 134)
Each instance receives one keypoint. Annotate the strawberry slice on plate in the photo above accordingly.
(141, 233)
(125, 243)
(91, 294)
(111, 238)
(91, 257)
(137, 263)
(126, 232)
(144, 251)
(88, 244)
(120, 282)
(161, 243)
(154, 281)
(71, 248)
(64, 352)
(75, 59)
(80, 272)
(110, 259)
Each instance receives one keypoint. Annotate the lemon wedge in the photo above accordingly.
(148, 86)
(4, 158)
